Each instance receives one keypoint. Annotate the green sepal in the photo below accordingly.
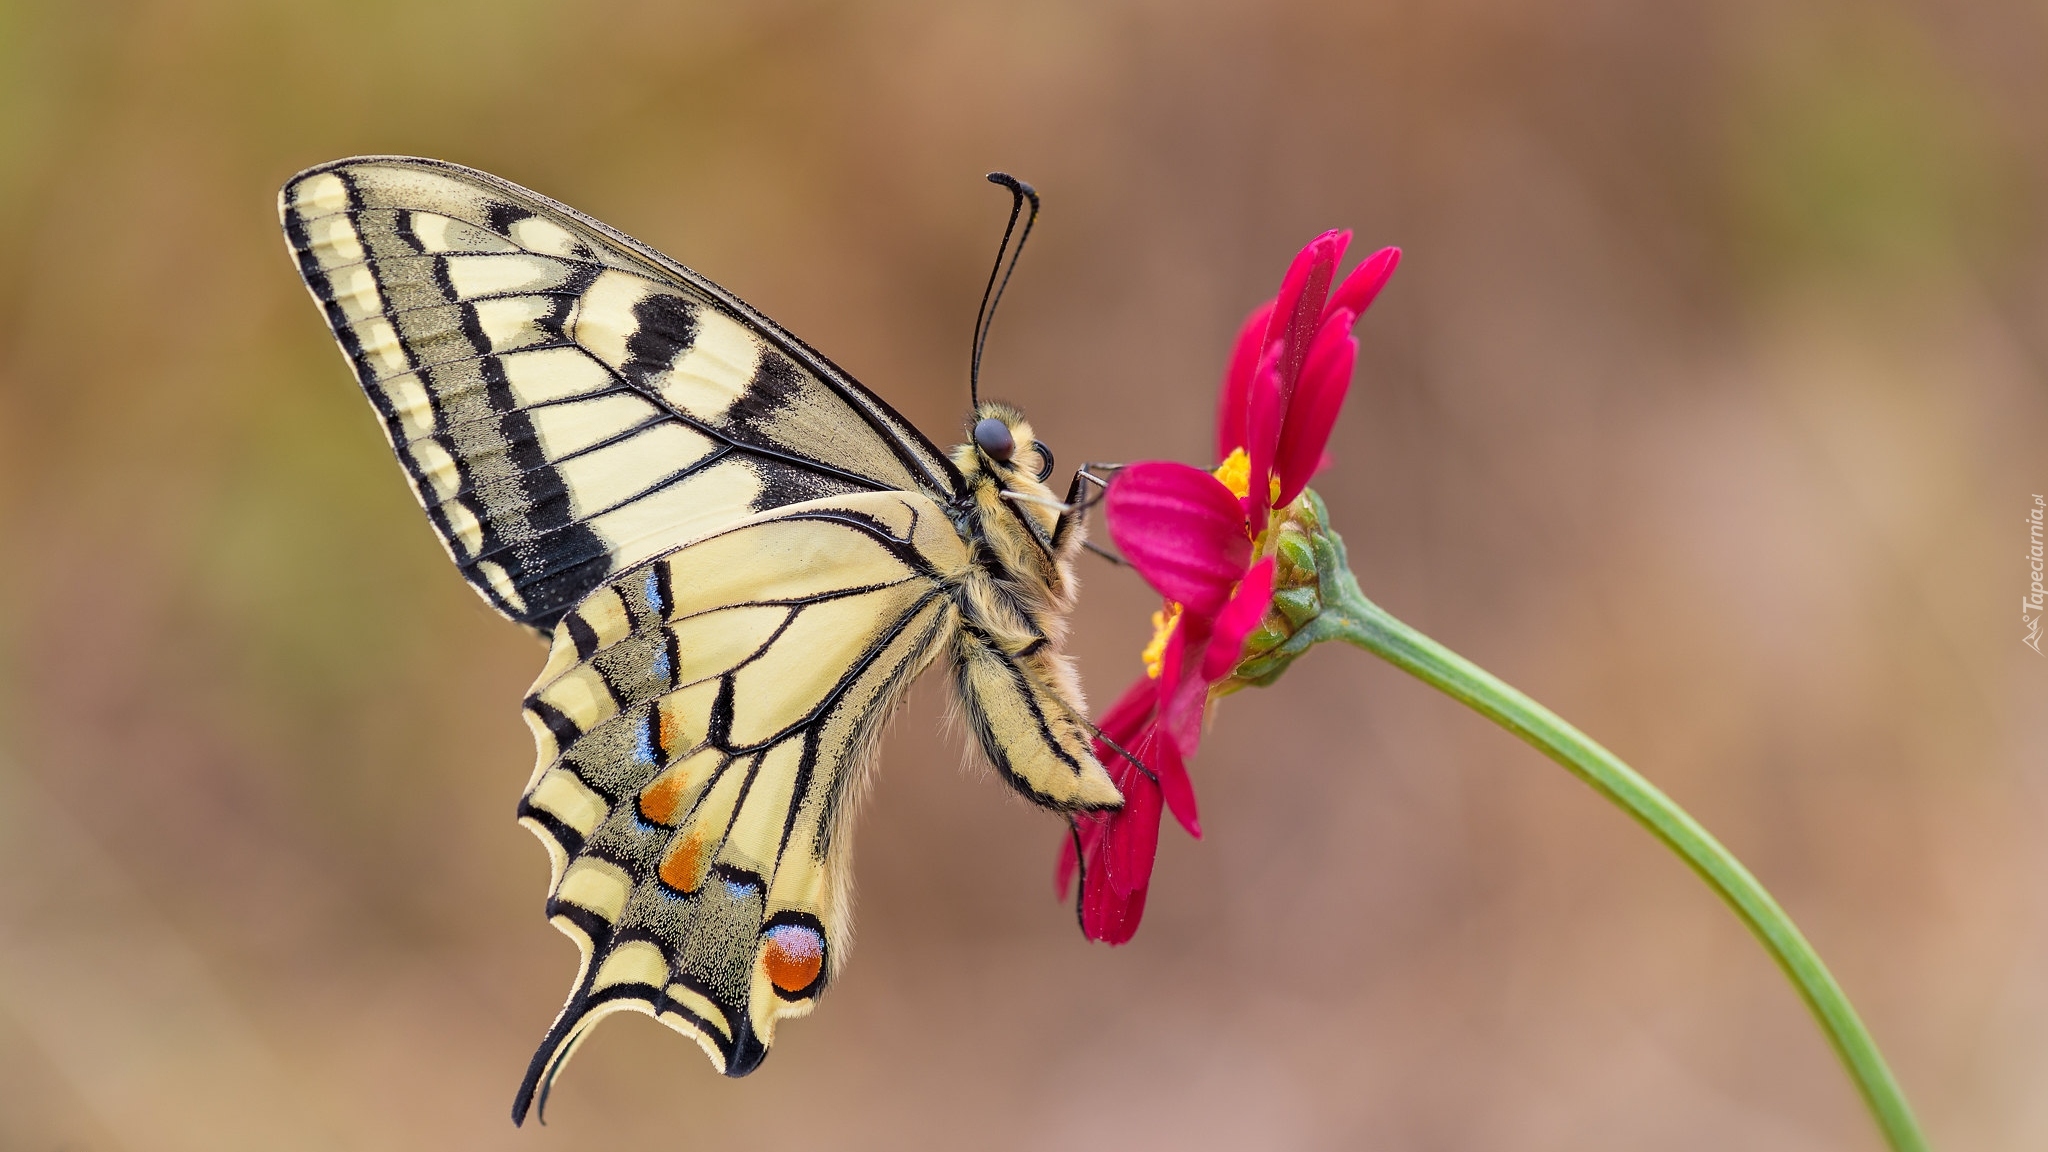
(1295, 553)
(1310, 569)
(1298, 605)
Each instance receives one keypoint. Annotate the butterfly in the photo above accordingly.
(740, 557)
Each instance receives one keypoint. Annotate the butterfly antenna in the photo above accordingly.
(992, 295)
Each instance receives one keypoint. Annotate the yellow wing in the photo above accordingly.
(705, 722)
(566, 401)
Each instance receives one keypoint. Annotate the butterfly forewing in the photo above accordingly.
(567, 402)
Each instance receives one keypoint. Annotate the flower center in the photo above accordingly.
(1164, 622)
(1236, 473)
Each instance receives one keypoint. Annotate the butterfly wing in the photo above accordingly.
(566, 401)
(705, 722)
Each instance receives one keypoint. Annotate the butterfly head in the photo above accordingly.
(1002, 447)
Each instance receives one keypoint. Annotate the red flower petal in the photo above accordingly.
(1237, 620)
(1299, 307)
(1267, 419)
(1235, 402)
(1106, 916)
(1325, 378)
(1133, 913)
(1101, 910)
(1174, 787)
(1181, 529)
(1131, 841)
(1365, 282)
(1172, 664)
(1183, 694)
(1180, 720)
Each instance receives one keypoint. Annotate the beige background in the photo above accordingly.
(1706, 408)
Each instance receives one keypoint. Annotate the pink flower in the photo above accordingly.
(1193, 536)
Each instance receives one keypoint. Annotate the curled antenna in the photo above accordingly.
(993, 293)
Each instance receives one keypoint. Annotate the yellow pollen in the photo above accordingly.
(1164, 622)
(1236, 473)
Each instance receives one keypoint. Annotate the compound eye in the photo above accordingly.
(1044, 461)
(993, 437)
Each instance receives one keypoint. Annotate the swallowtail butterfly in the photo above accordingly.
(741, 559)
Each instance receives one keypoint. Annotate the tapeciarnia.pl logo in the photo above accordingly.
(2036, 599)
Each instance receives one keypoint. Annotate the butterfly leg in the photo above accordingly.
(1073, 519)
(1105, 553)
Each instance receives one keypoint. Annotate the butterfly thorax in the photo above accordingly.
(1023, 581)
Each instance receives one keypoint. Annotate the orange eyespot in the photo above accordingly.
(794, 954)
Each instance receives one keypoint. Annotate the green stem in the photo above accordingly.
(1348, 615)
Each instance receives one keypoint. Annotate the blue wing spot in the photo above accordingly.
(661, 665)
(653, 592)
(643, 746)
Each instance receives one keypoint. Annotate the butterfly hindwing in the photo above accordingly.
(566, 401)
(704, 723)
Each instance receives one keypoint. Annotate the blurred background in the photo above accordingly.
(1706, 408)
